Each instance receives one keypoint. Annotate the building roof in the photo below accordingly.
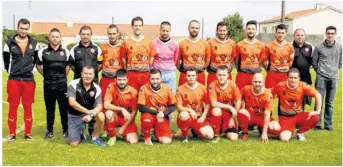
(149, 31)
(297, 14)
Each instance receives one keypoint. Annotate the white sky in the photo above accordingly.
(153, 12)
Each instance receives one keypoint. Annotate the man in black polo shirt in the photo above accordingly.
(302, 59)
(85, 102)
(53, 65)
(86, 53)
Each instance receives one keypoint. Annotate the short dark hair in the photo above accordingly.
(192, 69)
(23, 21)
(121, 73)
(330, 28)
(54, 30)
(85, 27)
(221, 24)
(88, 67)
(281, 27)
(293, 70)
(253, 22)
(193, 21)
(113, 26)
(222, 67)
(299, 29)
(138, 18)
(165, 23)
(155, 71)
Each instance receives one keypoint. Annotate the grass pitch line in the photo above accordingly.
(18, 130)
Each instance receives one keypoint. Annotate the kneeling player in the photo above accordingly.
(257, 111)
(121, 105)
(225, 100)
(193, 105)
(156, 101)
(291, 112)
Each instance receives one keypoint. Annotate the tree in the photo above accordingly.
(234, 24)
(41, 38)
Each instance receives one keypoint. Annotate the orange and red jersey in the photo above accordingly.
(192, 98)
(156, 100)
(127, 100)
(257, 103)
(138, 54)
(228, 95)
(194, 54)
(291, 100)
(249, 56)
(222, 53)
(280, 57)
(112, 58)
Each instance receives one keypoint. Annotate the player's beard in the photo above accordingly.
(222, 84)
(22, 35)
(251, 36)
(122, 86)
(193, 34)
(156, 86)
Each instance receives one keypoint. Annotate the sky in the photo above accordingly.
(178, 13)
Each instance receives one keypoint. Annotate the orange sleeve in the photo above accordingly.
(124, 49)
(233, 53)
(291, 54)
(141, 96)
(309, 90)
(109, 92)
(206, 99)
(269, 101)
(207, 54)
(178, 97)
(152, 49)
(237, 93)
(263, 53)
(274, 90)
(171, 97)
(266, 53)
(243, 93)
(134, 100)
(212, 93)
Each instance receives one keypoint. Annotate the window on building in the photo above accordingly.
(273, 29)
(264, 29)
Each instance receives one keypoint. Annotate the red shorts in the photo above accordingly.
(273, 78)
(162, 129)
(257, 120)
(201, 78)
(197, 126)
(120, 121)
(212, 77)
(289, 123)
(243, 78)
(17, 89)
(104, 82)
(138, 79)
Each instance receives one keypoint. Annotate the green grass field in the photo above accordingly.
(321, 148)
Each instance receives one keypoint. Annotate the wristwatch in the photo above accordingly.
(92, 115)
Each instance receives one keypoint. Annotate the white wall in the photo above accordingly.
(316, 23)
(270, 27)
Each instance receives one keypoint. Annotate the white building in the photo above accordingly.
(313, 21)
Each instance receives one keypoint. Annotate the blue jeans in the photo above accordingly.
(328, 85)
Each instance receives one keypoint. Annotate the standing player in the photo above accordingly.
(194, 52)
(86, 53)
(250, 53)
(121, 105)
(112, 54)
(139, 55)
(291, 112)
(20, 55)
(280, 55)
(258, 102)
(225, 100)
(222, 53)
(193, 106)
(53, 65)
(167, 52)
(156, 101)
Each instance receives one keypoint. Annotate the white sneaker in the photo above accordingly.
(301, 137)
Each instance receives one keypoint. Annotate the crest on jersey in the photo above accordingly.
(187, 47)
(141, 89)
(61, 53)
(30, 46)
(215, 48)
(274, 51)
(109, 86)
(93, 50)
(131, 48)
(307, 49)
(211, 88)
(91, 93)
(185, 96)
(105, 51)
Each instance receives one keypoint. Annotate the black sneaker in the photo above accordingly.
(29, 138)
(317, 128)
(65, 134)
(49, 135)
(11, 138)
(90, 131)
(184, 140)
(195, 135)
